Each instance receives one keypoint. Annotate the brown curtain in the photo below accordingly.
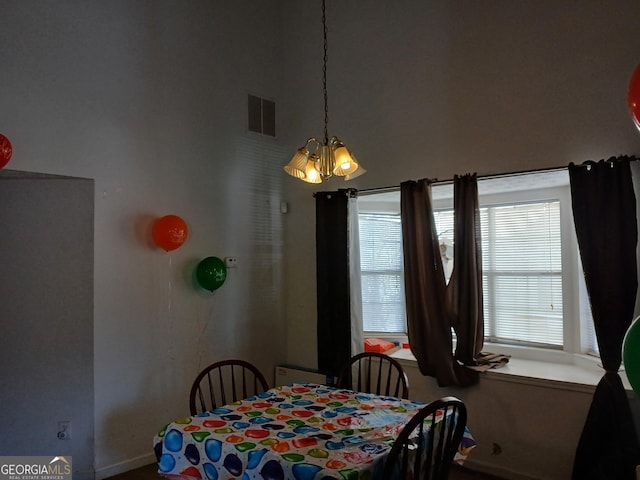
(465, 286)
(429, 313)
(604, 212)
(332, 280)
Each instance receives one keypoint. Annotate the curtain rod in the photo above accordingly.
(392, 188)
(501, 175)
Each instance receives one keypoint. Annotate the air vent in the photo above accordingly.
(262, 116)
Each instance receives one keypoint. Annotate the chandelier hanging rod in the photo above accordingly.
(331, 156)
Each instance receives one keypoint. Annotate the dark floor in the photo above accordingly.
(150, 473)
(143, 473)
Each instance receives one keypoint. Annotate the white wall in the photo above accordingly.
(149, 98)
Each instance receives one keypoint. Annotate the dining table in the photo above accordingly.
(300, 431)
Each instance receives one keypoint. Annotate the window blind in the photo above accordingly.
(522, 267)
(522, 271)
(383, 301)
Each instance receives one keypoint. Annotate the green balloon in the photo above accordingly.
(211, 273)
(631, 355)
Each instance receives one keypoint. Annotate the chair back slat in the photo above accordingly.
(380, 376)
(223, 393)
(373, 372)
(223, 382)
(234, 389)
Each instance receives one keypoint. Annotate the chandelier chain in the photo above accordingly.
(324, 76)
(318, 161)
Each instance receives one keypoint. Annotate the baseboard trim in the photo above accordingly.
(499, 472)
(121, 467)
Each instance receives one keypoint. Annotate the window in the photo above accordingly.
(522, 273)
(382, 273)
(531, 283)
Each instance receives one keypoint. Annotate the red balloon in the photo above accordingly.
(634, 97)
(5, 150)
(169, 232)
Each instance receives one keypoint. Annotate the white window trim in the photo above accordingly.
(564, 371)
(572, 343)
(572, 352)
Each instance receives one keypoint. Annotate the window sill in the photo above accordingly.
(561, 370)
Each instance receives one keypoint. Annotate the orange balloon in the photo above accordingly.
(634, 97)
(169, 232)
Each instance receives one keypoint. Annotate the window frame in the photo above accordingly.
(574, 321)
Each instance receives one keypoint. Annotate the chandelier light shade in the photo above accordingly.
(319, 160)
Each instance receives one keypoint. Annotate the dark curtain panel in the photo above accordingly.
(465, 285)
(332, 280)
(429, 316)
(604, 212)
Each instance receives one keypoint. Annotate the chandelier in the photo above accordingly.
(317, 161)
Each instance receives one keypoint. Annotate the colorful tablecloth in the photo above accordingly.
(296, 432)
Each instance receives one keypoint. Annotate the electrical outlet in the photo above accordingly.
(231, 262)
(64, 430)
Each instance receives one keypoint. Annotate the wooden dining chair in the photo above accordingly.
(425, 450)
(373, 372)
(224, 382)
